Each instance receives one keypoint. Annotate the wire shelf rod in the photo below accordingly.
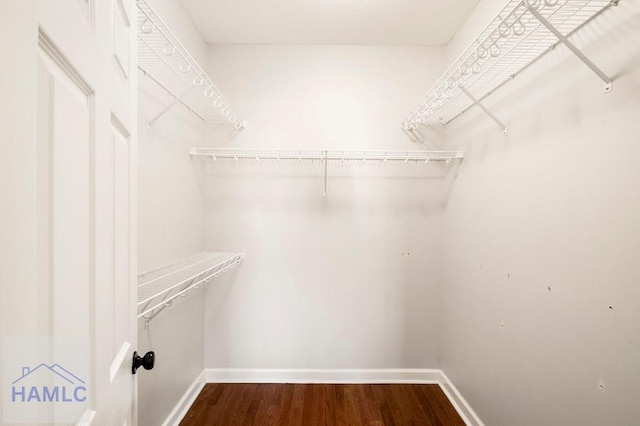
(531, 63)
(325, 155)
(187, 84)
(159, 288)
(144, 296)
(161, 53)
(520, 35)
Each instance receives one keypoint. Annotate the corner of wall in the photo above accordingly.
(171, 227)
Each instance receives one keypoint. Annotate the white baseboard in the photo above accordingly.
(459, 403)
(180, 410)
(400, 375)
(425, 376)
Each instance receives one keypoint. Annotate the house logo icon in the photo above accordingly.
(48, 383)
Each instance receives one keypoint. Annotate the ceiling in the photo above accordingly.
(363, 22)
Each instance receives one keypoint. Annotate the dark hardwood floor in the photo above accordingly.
(289, 404)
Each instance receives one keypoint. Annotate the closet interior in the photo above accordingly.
(301, 227)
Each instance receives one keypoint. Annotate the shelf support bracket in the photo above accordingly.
(324, 154)
(486, 111)
(604, 77)
(409, 133)
(171, 105)
(149, 318)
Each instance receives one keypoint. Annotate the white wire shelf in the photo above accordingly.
(238, 154)
(157, 289)
(163, 59)
(521, 33)
(402, 158)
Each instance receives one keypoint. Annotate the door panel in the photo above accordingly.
(86, 111)
(69, 142)
(67, 240)
(122, 314)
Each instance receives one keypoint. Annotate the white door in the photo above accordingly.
(68, 211)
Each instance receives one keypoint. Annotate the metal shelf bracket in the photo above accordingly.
(608, 82)
(324, 158)
(485, 110)
(168, 107)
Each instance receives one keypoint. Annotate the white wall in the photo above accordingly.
(328, 282)
(170, 226)
(347, 281)
(542, 235)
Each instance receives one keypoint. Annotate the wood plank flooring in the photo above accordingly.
(309, 405)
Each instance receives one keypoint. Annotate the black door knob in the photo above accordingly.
(147, 361)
